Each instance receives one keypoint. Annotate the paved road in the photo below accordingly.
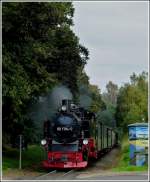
(120, 177)
(90, 176)
(77, 175)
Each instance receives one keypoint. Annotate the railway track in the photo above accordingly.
(97, 168)
(58, 175)
(106, 162)
(66, 174)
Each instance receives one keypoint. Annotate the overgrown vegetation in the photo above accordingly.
(31, 158)
(124, 161)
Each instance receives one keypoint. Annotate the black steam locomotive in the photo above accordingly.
(74, 136)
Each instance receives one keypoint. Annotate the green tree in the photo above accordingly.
(89, 95)
(107, 118)
(133, 101)
(110, 96)
(39, 50)
(110, 99)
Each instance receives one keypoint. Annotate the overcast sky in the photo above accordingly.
(116, 35)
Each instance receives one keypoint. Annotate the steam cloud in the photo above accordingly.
(85, 99)
(47, 105)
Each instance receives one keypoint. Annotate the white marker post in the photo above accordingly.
(20, 151)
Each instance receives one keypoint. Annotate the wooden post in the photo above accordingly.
(20, 151)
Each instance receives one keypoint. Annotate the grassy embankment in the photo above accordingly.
(123, 164)
(31, 158)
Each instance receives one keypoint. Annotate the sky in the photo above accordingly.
(116, 35)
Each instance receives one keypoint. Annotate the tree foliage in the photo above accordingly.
(107, 118)
(90, 95)
(39, 50)
(132, 103)
(109, 97)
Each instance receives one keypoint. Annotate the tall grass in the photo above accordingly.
(124, 161)
(31, 158)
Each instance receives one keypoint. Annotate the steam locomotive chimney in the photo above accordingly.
(67, 103)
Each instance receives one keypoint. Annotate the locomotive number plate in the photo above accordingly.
(64, 129)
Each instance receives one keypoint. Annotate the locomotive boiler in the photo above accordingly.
(74, 136)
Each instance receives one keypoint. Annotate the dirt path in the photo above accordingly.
(106, 162)
(110, 160)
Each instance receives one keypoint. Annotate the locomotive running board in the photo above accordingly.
(61, 165)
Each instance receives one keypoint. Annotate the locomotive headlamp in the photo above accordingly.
(43, 142)
(64, 108)
(85, 141)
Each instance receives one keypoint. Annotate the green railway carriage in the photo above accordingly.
(104, 136)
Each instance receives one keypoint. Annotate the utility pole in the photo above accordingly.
(20, 151)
